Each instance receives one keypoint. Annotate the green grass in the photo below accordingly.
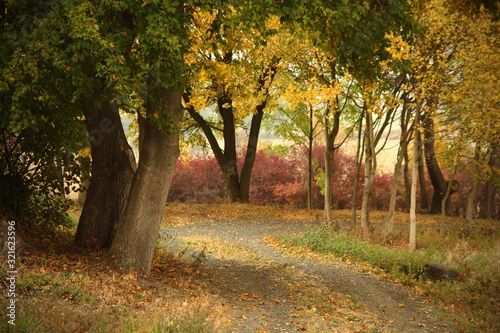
(475, 256)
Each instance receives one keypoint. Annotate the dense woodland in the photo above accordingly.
(318, 74)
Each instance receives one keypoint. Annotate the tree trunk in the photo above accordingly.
(438, 182)
(413, 200)
(490, 189)
(407, 182)
(225, 105)
(388, 223)
(424, 202)
(135, 239)
(113, 167)
(469, 214)
(310, 138)
(329, 153)
(246, 170)
(359, 158)
(370, 169)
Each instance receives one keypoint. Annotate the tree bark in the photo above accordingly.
(136, 236)
(113, 167)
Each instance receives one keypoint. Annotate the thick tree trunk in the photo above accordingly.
(225, 105)
(439, 184)
(135, 239)
(113, 167)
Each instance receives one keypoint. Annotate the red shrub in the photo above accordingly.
(277, 180)
(198, 180)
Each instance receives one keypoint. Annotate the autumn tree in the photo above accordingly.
(99, 58)
(234, 67)
(471, 101)
(442, 60)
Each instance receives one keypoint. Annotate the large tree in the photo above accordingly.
(40, 132)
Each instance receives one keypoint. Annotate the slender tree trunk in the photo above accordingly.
(329, 152)
(388, 223)
(136, 236)
(413, 200)
(359, 158)
(246, 172)
(469, 214)
(424, 202)
(310, 138)
(370, 169)
(407, 182)
(489, 189)
(113, 167)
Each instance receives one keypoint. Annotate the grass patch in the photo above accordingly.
(222, 250)
(475, 256)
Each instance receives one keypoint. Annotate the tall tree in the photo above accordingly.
(352, 35)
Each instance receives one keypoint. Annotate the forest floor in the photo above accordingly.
(264, 290)
(217, 268)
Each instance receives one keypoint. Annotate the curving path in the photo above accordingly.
(273, 292)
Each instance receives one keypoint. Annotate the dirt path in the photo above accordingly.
(264, 290)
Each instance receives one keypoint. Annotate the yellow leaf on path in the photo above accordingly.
(402, 305)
